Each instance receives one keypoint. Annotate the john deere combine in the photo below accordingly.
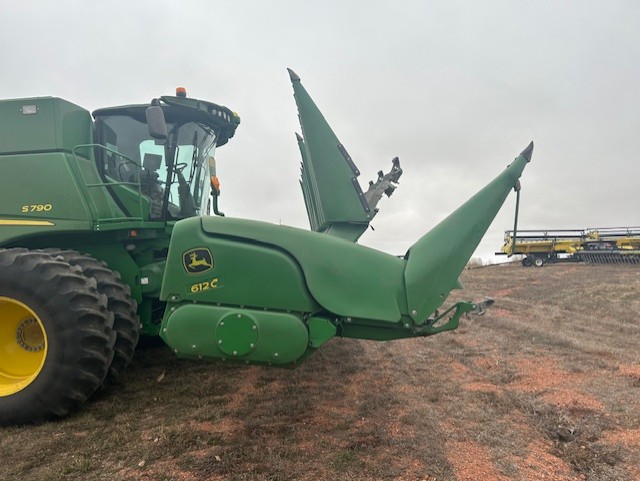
(105, 234)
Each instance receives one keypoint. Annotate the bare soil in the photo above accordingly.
(544, 386)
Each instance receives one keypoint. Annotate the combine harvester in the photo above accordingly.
(106, 233)
(601, 245)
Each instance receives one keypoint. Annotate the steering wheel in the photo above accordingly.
(179, 167)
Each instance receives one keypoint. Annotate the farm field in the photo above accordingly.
(544, 386)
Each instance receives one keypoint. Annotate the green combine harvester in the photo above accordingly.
(106, 234)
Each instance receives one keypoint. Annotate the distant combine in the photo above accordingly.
(600, 245)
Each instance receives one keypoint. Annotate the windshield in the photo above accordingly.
(190, 144)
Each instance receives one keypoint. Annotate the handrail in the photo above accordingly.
(91, 202)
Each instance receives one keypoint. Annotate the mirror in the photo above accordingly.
(155, 121)
(215, 183)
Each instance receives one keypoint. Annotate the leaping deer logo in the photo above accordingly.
(198, 260)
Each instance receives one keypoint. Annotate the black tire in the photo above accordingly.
(126, 323)
(72, 344)
(527, 262)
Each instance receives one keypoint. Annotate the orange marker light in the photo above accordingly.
(215, 183)
(181, 92)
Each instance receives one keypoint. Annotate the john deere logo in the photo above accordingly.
(197, 260)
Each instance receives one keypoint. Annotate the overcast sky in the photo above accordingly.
(456, 89)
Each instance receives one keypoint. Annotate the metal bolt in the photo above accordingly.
(222, 323)
(254, 327)
(194, 347)
(275, 354)
(406, 325)
(173, 309)
(164, 330)
(235, 353)
(414, 313)
(252, 345)
(220, 342)
(239, 316)
(176, 351)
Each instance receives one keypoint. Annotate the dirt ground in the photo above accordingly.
(545, 386)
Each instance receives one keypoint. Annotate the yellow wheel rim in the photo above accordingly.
(23, 346)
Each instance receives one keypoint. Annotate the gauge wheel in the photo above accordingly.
(126, 323)
(526, 262)
(538, 262)
(56, 339)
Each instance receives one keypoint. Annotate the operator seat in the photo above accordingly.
(150, 185)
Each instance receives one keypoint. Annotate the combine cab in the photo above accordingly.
(110, 228)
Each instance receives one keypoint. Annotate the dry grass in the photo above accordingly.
(546, 386)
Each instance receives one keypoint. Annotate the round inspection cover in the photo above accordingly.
(236, 335)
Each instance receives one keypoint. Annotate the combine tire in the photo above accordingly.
(538, 262)
(126, 323)
(56, 339)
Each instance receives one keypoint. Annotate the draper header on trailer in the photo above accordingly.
(600, 245)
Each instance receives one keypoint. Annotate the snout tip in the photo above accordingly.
(526, 153)
(293, 76)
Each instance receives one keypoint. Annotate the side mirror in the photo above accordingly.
(155, 121)
(215, 187)
(215, 183)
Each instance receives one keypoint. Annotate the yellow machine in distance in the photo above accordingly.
(600, 245)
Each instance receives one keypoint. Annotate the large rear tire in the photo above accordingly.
(126, 323)
(56, 339)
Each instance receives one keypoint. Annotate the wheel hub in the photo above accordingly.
(29, 335)
(23, 346)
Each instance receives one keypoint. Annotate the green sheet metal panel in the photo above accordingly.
(41, 124)
(44, 179)
(436, 260)
(212, 332)
(236, 271)
(345, 278)
(331, 176)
